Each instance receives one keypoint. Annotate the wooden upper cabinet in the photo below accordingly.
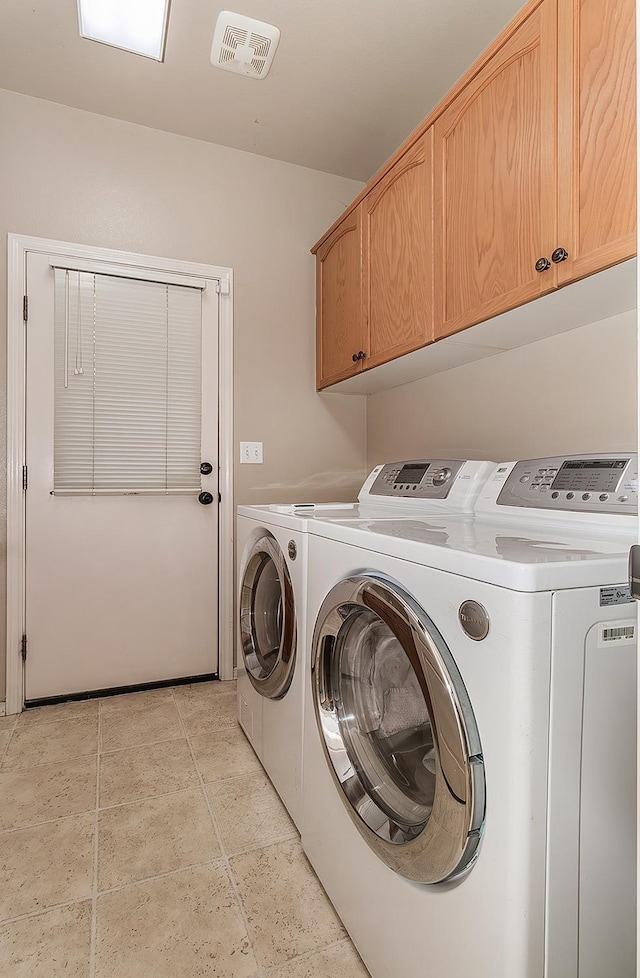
(398, 258)
(597, 125)
(522, 180)
(339, 315)
(495, 180)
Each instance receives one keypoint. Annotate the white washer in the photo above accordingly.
(470, 684)
(272, 573)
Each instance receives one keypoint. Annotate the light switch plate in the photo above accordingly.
(251, 452)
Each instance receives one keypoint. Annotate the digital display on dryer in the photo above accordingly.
(591, 475)
(411, 474)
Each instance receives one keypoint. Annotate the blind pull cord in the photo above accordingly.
(79, 368)
(66, 328)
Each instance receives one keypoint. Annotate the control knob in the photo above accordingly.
(440, 476)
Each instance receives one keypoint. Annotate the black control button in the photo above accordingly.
(570, 495)
(603, 497)
(554, 495)
(586, 495)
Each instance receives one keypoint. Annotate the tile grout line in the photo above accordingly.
(43, 911)
(6, 748)
(46, 821)
(219, 860)
(225, 858)
(30, 724)
(306, 955)
(94, 893)
(41, 767)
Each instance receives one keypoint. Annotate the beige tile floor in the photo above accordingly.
(140, 838)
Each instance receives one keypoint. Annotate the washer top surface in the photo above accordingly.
(511, 554)
(300, 516)
(394, 490)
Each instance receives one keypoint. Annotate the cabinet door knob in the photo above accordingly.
(355, 357)
(205, 498)
(560, 254)
(542, 264)
(361, 355)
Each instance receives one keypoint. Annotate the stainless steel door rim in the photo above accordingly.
(398, 730)
(268, 619)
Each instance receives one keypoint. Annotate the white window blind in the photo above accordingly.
(127, 384)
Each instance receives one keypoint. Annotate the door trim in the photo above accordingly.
(18, 246)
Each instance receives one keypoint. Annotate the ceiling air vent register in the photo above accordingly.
(243, 45)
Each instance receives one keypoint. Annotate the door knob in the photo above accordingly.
(542, 264)
(560, 254)
(205, 498)
(206, 468)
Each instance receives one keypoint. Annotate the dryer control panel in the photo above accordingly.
(426, 479)
(456, 481)
(600, 484)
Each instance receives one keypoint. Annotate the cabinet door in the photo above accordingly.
(597, 117)
(398, 257)
(495, 180)
(339, 314)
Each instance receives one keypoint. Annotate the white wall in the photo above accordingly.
(571, 393)
(79, 177)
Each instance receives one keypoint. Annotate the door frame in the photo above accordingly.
(18, 246)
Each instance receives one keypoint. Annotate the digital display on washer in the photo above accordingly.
(592, 475)
(411, 474)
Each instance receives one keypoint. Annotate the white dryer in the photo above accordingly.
(272, 573)
(271, 637)
(471, 682)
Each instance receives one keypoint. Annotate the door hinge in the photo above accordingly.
(222, 286)
(23, 647)
(25, 307)
(25, 478)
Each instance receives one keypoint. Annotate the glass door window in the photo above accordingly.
(398, 729)
(268, 620)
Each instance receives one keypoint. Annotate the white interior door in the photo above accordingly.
(121, 588)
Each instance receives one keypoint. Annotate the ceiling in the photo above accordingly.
(350, 80)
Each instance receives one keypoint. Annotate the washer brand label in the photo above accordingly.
(615, 595)
(474, 620)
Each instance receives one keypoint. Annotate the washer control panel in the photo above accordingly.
(419, 478)
(577, 483)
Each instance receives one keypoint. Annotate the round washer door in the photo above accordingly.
(398, 730)
(268, 619)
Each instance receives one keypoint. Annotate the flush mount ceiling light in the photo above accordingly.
(138, 26)
(243, 45)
